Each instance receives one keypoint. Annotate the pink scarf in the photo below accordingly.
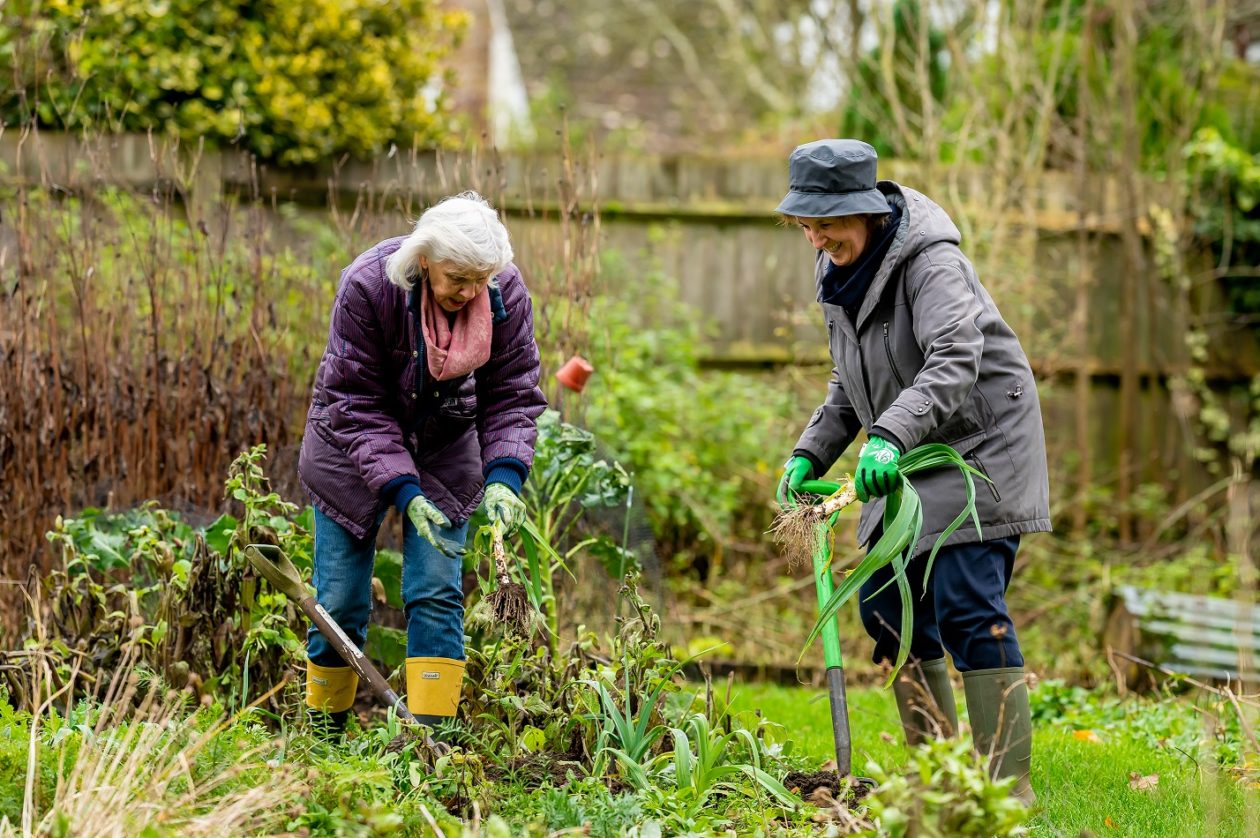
(456, 349)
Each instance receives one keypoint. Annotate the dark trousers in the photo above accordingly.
(963, 612)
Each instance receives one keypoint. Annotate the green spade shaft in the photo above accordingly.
(832, 657)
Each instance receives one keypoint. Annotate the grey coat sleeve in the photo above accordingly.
(832, 428)
(944, 313)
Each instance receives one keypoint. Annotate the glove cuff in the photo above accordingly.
(815, 467)
(889, 437)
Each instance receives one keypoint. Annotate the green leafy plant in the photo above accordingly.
(591, 808)
(622, 733)
(714, 766)
(180, 597)
(902, 526)
(568, 478)
(945, 790)
(701, 443)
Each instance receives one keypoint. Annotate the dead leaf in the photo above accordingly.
(821, 796)
(1086, 736)
(1109, 823)
(1138, 782)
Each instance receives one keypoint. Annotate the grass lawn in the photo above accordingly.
(1082, 779)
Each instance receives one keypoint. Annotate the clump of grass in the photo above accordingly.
(144, 766)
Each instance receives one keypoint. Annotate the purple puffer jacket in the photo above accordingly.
(376, 415)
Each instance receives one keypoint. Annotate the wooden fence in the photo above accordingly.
(706, 225)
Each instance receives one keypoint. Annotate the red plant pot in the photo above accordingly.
(574, 373)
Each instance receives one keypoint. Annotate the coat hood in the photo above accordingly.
(923, 224)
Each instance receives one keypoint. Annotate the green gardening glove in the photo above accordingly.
(424, 516)
(506, 510)
(877, 473)
(795, 472)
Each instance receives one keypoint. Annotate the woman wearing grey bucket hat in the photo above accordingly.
(921, 354)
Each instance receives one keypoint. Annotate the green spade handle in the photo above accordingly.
(823, 583)
(832, 656)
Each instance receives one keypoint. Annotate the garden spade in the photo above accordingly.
(275, 567)
(821, 557)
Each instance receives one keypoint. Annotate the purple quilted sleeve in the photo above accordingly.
(356, 385)
(508, 396)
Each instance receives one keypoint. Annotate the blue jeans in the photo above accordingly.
(432, 590)
(964, 610)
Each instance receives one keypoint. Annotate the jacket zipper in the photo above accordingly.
(891, 362)
(421, 379)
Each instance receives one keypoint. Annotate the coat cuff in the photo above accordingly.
(509, 471)
(401, 491)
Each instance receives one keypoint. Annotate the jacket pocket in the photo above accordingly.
(448, 421)
(979, 466)
(458, 407)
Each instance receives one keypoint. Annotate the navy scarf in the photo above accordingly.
(846, 285)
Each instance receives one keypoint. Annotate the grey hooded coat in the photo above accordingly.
(930, 359)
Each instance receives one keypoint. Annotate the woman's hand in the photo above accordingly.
(795, 472)
(877, 473)
(506, 510)
(424, 516)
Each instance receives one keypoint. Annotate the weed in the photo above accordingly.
(946, 791)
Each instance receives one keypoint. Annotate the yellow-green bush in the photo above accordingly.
(292, 80)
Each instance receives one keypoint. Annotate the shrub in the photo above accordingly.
(293, 82)
(703, 445)
(944, 790)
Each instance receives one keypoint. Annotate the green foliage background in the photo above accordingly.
(291, 82)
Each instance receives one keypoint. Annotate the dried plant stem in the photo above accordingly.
(508, 602)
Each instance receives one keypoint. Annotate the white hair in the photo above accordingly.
(461, 229)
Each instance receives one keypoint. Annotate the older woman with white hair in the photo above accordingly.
(426, 400)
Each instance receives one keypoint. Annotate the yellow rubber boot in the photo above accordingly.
(433, 688)
(330, 695)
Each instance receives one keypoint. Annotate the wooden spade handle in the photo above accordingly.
(353, 656)
(276, 568)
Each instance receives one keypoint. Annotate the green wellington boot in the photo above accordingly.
(925, 700)
(1001, 725)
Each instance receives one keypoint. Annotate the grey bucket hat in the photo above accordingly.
(832, 177)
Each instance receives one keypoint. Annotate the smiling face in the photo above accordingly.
(843, 237)
(454, 286)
